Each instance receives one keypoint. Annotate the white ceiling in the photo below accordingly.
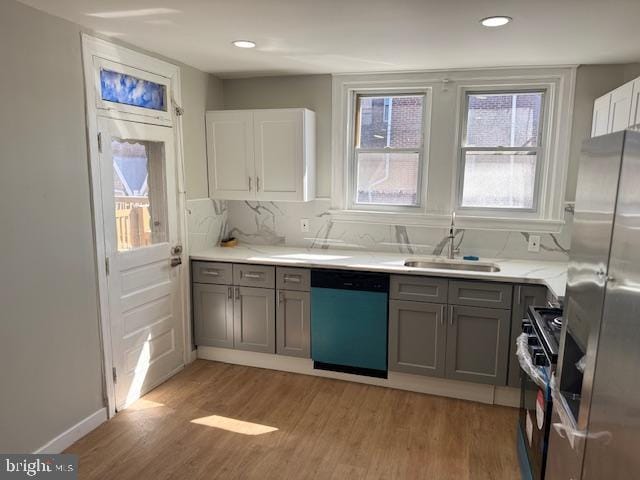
(332, 36)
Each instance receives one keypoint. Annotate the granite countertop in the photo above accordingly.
(551, 274)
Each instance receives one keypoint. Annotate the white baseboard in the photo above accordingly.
(75, 433)
(475, 392)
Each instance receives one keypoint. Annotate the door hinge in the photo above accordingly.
(115, 375)
(107, 266)
(100, 142)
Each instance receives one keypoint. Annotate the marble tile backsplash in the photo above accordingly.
(275, 223)
(206, 223)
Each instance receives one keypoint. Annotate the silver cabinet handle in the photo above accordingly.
(237, 293)
(249, 183)
(292, 278)
(280, 297)
(442, 307)
(230, 293)
(257, 184)
(211, 273)
(253, 276)
(451, 315)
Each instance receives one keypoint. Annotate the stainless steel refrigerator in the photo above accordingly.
(595, 430)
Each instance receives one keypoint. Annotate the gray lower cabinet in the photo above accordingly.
(478, 344)
(417, 337)
(213, 315)
(293, 323)
(254, 319)
(524, 296)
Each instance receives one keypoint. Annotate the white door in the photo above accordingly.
(620, 108)
(139, 202)
(279, 153)
(600, 122)
(230, 155)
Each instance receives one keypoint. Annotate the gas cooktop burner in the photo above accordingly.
(547, 323)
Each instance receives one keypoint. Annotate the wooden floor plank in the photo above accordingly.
(325, 429)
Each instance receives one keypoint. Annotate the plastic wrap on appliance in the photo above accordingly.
(526, 363)
(566, 428)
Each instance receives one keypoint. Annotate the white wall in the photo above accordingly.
(592, 81)
(50, 355)
(51, 377)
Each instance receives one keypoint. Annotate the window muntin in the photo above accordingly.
(501, 150)
(388, 150)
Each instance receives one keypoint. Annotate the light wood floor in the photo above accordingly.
(326, 429)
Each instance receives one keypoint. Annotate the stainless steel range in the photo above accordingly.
(538, 355)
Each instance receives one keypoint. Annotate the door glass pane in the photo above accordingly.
(499, 180)
(388, 178)
(139, 189)
(129, 90)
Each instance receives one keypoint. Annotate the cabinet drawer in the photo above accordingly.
(212, 272)
(419, 289)
(293, 279)
(480, 294)
(254, 275)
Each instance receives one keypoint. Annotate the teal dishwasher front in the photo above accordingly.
(349, 312)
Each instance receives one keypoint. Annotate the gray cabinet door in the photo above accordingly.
(524, 296)
(254, 326)
(478, 344)
(213, 315)
(417, 337)
(293, 324)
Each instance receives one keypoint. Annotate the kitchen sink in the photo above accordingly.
(445, 264)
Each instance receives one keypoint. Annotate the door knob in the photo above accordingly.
(177, 250)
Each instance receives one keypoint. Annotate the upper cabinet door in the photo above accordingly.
(231, 155)
(600, 123)
(284, 154)
(635, 104)
(620, 108)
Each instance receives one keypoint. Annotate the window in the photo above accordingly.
(388, 150)
(501, 150)
(491, 145)
(139, 193)
(129, 90)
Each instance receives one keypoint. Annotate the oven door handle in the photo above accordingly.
(526, 363)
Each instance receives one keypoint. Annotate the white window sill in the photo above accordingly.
(435, 220)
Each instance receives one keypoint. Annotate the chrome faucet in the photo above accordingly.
(452, 237)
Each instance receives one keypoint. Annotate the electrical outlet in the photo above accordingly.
(304, 225)
(534, 243)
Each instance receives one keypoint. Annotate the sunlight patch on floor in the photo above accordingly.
(233, 425)
(143, 404)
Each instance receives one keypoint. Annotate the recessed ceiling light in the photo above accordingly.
(244, 43)
(496, 21)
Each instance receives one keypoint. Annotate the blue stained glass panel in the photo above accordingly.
(122, 88)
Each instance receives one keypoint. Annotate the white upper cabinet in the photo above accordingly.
(634, 118)
(261, 154)
(600, 122)
(230, 155)
(620, 108)
(617, 110)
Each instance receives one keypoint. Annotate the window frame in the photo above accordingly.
(441, 162)
(352, 192)
(540, 149)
